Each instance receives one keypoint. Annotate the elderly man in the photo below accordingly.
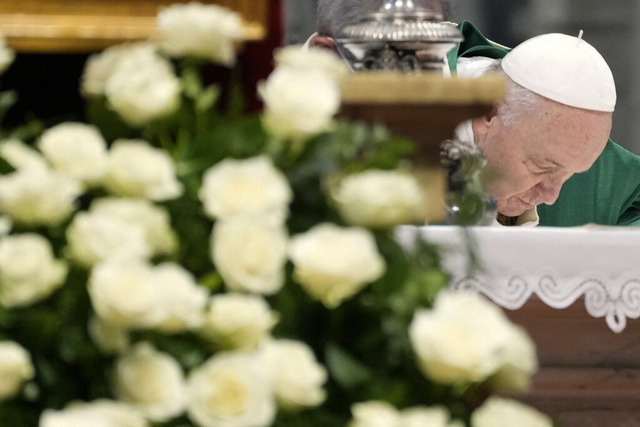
(553, 125)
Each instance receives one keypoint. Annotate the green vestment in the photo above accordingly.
(607, 194)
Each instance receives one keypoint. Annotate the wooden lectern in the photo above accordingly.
(425, 107)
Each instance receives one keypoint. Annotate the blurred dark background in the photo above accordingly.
(610, 26)
(48, 83)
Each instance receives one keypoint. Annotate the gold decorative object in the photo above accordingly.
(91, 25)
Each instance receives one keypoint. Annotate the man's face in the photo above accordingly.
(528, 161)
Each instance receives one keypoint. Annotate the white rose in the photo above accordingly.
(123, 293)
(99, 413)
(136, 169)
(28, 271)
(231, 390)
(238, 321)
(152, 382)
(502, 412)
(250, 254)
(299, 103)
(15, 369)
(380, 199)
(296, 374)
(463, 338)
(99, 67)
(20, 155)
(334, 263)
(94, 237)
(312, 59)
(36, 196)
(381, 414)
(5, 225)
(77, 150)
(520, 362)
(7, 55)
(201, 31)
(153, 220)
(252, 186)
(422, 416)
(374, 414)
(181, 299)
(110, 339)
(141, 91)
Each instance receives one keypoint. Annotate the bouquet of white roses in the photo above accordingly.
(180, 263)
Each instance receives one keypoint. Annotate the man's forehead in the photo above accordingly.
(574, 149)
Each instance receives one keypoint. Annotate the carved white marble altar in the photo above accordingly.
(558, 265)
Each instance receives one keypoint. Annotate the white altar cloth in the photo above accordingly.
(559, 265)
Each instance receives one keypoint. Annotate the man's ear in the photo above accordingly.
(323, 42)
(481, 124)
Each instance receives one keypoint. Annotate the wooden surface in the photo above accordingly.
(420, 89)
(589, 376)
(571, 337)
(91, 25)
(424, 107)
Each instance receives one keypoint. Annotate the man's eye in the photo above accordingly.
(539, 170)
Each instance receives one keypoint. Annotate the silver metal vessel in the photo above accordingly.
(403, 35)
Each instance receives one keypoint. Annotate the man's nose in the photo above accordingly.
(549, 191)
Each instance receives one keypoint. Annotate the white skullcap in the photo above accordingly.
(565, 69)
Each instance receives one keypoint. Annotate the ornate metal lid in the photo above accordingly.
(403, 35)
(401, 21)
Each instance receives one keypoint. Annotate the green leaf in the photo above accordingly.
(345, 369)
(315, 417)
(194, 229)
(191, 81)
(5, 167)
(429, 283)
(236, 99)
(8, 99)
(207, 98)
(211, 281)
(17, 413)
(231, 138)
(108, 121)
(357, 146)
(29, 131)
